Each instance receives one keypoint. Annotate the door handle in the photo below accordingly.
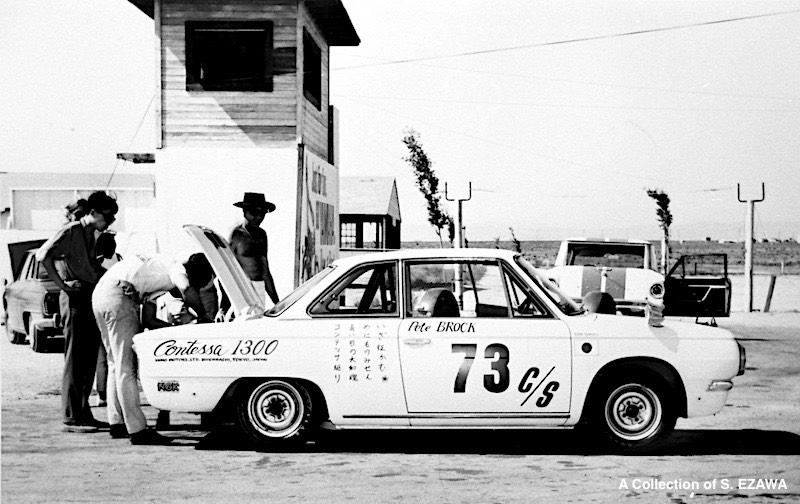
(417, 341)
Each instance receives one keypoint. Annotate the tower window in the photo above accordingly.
(228, 56)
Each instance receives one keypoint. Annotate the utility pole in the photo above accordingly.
(749, 225)
(459, 241)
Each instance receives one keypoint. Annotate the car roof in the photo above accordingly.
(427, 253)
(608, 240)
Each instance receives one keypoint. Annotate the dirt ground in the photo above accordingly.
(755, 438)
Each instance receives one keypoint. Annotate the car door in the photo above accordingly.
(361, 313)
(478, 348)
(698, 286)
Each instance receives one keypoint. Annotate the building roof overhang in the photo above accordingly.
(330, 15)
(334, 21)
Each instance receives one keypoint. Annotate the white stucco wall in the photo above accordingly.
(200, 186)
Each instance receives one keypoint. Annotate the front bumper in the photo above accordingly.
(704, 397)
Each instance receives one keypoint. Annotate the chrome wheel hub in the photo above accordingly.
(633, 412)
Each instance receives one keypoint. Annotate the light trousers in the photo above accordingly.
(118, 319)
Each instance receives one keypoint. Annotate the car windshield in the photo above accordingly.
(299, 292)
(564, 302)
(607, 255)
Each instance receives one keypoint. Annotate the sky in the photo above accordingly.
(560, 113)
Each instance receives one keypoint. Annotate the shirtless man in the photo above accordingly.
(249, 243)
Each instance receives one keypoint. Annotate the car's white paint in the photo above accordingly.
(411, 380)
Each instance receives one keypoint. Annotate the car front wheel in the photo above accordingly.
(275, 411)
(634, 414)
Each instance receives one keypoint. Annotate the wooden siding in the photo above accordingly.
(229, 118)
(314, 123)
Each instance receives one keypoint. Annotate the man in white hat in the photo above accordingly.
(249, 243)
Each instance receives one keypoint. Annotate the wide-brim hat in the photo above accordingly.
(255, 200)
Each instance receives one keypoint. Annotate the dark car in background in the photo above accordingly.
(31, 300)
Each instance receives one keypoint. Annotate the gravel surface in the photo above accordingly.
(755, 437)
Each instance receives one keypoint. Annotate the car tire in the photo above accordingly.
(275, 412)
(633, 414)
(15, 337)
(38, 340)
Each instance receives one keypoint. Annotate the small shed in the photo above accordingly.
(369, 213)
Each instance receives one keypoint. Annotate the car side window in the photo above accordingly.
(464, 289)
(369, 290)
(30, 268)
(40, 271)
(523, 302)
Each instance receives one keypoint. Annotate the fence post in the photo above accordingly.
(769, 293)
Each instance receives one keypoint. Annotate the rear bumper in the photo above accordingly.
(49, 324)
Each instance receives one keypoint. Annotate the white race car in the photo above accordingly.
(438, 338)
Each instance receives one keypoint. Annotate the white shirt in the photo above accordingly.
(147, 275)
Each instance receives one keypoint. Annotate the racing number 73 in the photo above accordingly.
(495, 382)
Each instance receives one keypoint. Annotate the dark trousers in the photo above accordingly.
(81, 344)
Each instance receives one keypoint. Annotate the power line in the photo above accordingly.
(571, 41)
(133, 138)
(514, 148)
(495, 73)
(377, 144)
(563, 105)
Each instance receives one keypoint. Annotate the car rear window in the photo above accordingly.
(614, 256)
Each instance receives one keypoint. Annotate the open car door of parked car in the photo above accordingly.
(698, 286)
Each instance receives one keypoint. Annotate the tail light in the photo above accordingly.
(742, 359)
(657, 290)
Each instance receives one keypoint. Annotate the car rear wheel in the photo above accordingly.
(275, 412)
(634, 413)
(15, 337)
(38, 340)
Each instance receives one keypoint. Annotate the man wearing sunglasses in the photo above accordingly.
(74, 247)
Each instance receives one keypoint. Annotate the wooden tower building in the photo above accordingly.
(242, 105)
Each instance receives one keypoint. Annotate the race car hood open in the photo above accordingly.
(240, 290)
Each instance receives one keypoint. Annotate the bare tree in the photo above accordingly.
(517, 244)
(664, 221)
(428, 184)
